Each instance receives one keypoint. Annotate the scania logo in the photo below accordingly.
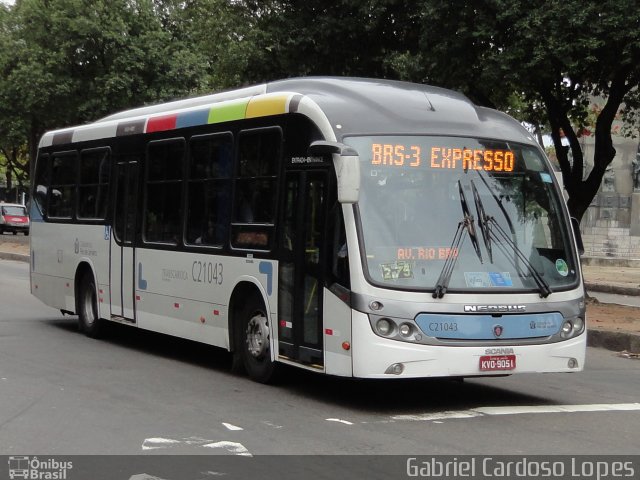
(499, 351)
(495, 308)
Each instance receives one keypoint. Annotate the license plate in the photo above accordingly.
(489, 363)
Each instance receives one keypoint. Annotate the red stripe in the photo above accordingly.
(159, 124)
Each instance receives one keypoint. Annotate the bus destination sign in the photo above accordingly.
(441, 157)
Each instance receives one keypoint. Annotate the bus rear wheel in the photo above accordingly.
(255, 342)
(88, 318)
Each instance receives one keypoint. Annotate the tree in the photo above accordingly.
(13, 158)
(290, 38)
(555, 55)
(64, 62)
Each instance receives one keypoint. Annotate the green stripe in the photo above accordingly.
(229, 112)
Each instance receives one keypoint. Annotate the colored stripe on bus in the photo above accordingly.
(265, 105)
(228, 112)
(159, 124)
(258, 106)
(192, 119)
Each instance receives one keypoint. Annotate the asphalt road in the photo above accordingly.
(146, 394)
(20, 238)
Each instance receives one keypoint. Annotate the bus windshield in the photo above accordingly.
(461, 214)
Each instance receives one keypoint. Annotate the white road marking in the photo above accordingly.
(158, 442)
(233, 447)
(519, 410)
(144, 476)
(155, 443)
(339, 421)
(269, 424)
(231, 427)
(426, 417)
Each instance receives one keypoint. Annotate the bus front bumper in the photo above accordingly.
(377, 357)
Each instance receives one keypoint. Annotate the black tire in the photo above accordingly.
(255, 341)
(89, 321)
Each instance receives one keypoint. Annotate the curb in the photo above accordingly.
(617, 289)
(18, 257)
(616, 341)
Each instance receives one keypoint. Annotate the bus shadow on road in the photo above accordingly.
(386, 396)
(155, 344)
(382, 396)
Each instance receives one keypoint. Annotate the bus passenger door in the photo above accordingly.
(301, 272)
(122, 266)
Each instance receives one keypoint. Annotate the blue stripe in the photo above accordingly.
(192, 119)
(482, 327)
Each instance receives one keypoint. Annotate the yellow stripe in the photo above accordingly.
(264, 105)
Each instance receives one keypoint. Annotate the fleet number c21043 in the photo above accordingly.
(207, 272)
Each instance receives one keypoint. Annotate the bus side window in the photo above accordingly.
(209, 189)
(42, 183)
(339, 254)
(163, 215)
(254, 211)
(93, 184)
(63, 185)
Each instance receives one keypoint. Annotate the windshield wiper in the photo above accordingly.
(487, 225)
(466, 225)
(482, 221)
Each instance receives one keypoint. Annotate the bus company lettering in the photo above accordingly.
(306, 160)
(169, 274)
(495, 308)
(426, 253)
(534, 325)
(84, 248)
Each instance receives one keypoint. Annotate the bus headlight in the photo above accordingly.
(567, 329)
(405, 330)
(384, 326)
(578, 325)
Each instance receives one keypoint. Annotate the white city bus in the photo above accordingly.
(355, 227)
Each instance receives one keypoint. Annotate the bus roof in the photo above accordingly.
(340, 106)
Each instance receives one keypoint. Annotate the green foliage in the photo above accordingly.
(64, 62)
(314, 37)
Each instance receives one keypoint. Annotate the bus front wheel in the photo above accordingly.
(90, 323)
(255, 345)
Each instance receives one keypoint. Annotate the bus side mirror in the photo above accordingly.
(576, 231)
(347, 164)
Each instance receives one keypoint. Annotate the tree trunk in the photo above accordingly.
(581, 192)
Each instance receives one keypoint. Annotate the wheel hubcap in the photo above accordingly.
(257, 335)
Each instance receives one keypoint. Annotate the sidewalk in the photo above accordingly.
(621, 280)
(611, 326)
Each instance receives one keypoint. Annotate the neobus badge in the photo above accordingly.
(495, 308)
